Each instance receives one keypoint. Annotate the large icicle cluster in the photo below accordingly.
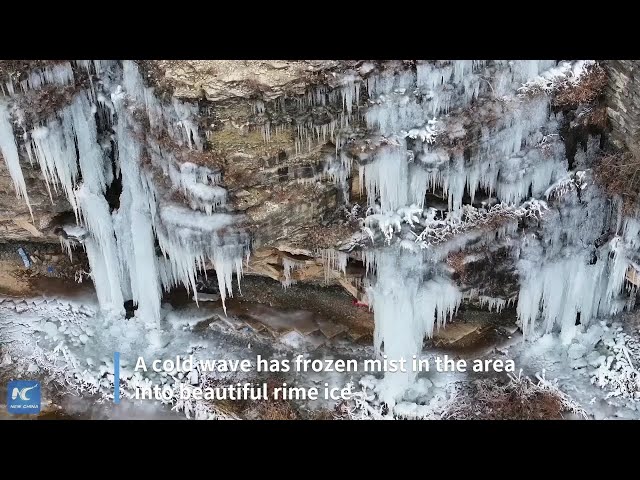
(74, 153)
(453, 129)
(59, 73)
(479, 135)
(411, 299)
(564, 274)
(520, 152)
(187, 237)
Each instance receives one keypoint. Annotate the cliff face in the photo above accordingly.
(623, 103)
(417, 185)
(283, 193)
(272, 128)
(16, 223)
(233, 80)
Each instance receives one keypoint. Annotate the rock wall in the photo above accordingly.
(285, 197)
(623, 104)
(16, 223)
(309, 152)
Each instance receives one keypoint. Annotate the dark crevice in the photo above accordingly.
(113, 193)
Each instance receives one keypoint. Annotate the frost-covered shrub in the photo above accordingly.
(428, 230)
(589, 87)
(520, 398)
(619, 175)
(617, 371)
(565, 75)
(517, 397)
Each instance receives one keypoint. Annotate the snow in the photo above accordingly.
(69, 343)
(49, 337)
(616, 371)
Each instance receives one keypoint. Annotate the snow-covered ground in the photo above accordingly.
(597, 369)
(68, 344)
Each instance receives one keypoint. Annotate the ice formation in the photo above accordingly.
(411, 300)
(563, 278)
(289, 266)
(57, 74)
(10, 153)
(74, 154)
(565, 73)
(478, 134)
(517, 160)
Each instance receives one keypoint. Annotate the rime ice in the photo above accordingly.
(413, 125)
(73, 152)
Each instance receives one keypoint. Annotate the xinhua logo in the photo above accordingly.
(23, 396)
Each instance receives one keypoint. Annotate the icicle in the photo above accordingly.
(90, 154)
(492, 303)
(54, 148)
(333, 260)
(58, 74)
(188, 238)
(410, 301)
(387, 177)
(289, 266)
(199, 187)
(65, 243)
(558, 284)
(101, 248)
(133, 222)
(10, 154)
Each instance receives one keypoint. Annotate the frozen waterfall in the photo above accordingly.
(73, 152)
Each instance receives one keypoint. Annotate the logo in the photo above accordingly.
(23, 396)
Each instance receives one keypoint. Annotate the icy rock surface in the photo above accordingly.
(480, 135)
(516, 158)
(73, 148)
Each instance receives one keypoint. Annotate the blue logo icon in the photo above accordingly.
(23, 396)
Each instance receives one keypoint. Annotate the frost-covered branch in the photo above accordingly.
(616, 371)
(429, 230)
(519, 398)
(426, 133)
(574, 181)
